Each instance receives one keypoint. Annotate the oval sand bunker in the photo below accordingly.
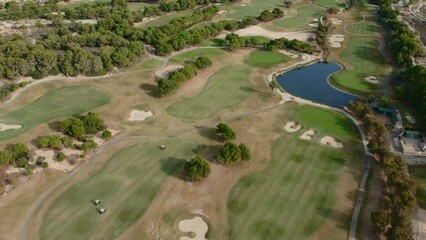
(139, 115)
(292, 127)
(327, 140)
(4, 127)
(195, 225)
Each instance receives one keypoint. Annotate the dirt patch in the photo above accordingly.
(259, 31)
(336, 40)
(195, 225)
(327, 140)
(139, 115)
(5, 127)
(164, 72)
(292, 127)
(372, 79)
(289, 54)
(336, 21)
(308, 135)
(50, 158)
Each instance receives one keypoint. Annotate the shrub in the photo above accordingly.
(197, 168)
(40, 160)
(50, 142)
(44, 164)
(73, 127)
(93, 123)
(225, 132)
(60, 157)
(245, 152)
(106, 134)
(5, 157)
(229, 153)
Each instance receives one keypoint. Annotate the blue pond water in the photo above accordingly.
(311, 83)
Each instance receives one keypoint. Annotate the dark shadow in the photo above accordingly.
(254, 91)
(150, 89)
(341, 219)
(34, 142)
(207, 132)
(55, 126)
(209, 152)
(171, 164)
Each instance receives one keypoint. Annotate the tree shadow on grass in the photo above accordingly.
(254, 91)
(207, 132)
(55, 126)
(170, 165)
(149, 89)
(341, 219)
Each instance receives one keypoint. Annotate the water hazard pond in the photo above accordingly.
(311, 83)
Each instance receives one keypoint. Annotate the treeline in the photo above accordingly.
(171, 84)
(234, 41)
(291, 44)
(393, 218)
(9, 88)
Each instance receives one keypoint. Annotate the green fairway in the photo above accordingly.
(330, 3)
(62, 102)
(294, 194)
(126, 185)
(418, 175)
(150, 63)
(366, 59)
(167, 18)
(364, 28)
(225, 89)
(304, 16)
(265, 58)
(194, 54)
(254, 8)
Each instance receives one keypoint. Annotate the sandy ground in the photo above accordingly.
(372, 79)
(308, 135)
(327, 140)
(222, 12)
(164, 72)
(336, 21)
(288, 53)
(292, 127)
(259, 31)
(4, 127)
(195, 225)
(336, 40)
(139, 115)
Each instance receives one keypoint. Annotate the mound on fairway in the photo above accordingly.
(62, 102)
(266, 58)
(295, 193)
(125, 184)
(225, 89)
(302, 19)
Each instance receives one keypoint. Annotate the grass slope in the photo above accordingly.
(364, 28)
(126, 185)
(304, 15)
(225, 89)
(366, 59)
(194, 54)
(265, 58)
(253, 9)
(62, 102)
(294, 194)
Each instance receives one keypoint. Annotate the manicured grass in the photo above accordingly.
(73, 5)
(167, 18)
(225, 89)
(254, 8)
(133, 6)
(330, 3)
(215, 42)
(295, 193)
(304, 16)
(366, 59)
(418, 175)
(150, 63)
(265, 58)
(194, 54)
(364, 28)
(58, 103)
(126, 184)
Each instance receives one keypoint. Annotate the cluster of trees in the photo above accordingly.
(8, 88)
(291, 44)
(29, 9)
(267, 15)
(413, 90)
(197, 168)
(18, 155)
(171, 84)
(85, 124)
(393, 218)
(234, 41)
(230, 152)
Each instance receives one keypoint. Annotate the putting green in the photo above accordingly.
(294, 194)
(194, 54)
(253, 9)
(366, 59)
(226, 88)
(125, 184)
(58, 103)
(304, 16)
(265, 58)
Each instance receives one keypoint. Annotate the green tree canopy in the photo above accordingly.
(197, 168)
(225, 132)
(229, 153)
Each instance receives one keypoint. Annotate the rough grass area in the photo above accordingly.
(58, 103)
(366, 59)
(150, 63)
(295, 193)
(125, 184)
(304, 16)
(330, 3)
(226, 88)
(253, 9)
(364, 28)
(194, 54)
(266, 58)
(418, 175)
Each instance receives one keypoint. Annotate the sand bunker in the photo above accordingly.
(5, 127)
(221, 12)
(336, 40)
(336, 21)
(139, 115)
(327, 140)
(243, 5)
(292, 127)
(308, 135)
(372, 79)
(164, 72)
(313, 24)
(259, 31)
(195, 225)
(288, 53)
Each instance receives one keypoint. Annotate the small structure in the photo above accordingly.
(162, 147)
(96, 202)
(101, 210)
(412, 143)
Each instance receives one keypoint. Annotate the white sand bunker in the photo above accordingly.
(195, 225)
(259, 31)
(313, 24)
(243, 5)
(221, 12)
(164, 72)
(292, 127)
(336, 21)
(139, 115)
(372, 79)
(336, 40)
(327, 140)
(4, 127)
(288, 53)
(308, 135)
